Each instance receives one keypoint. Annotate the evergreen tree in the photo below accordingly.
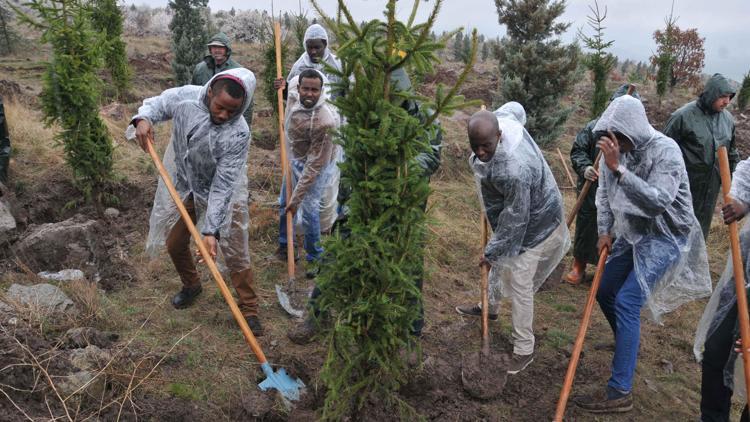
(466, 50)
(485, 51)
(743, 96)
(189, 37)
(370, 292)
(537, 69)
(665, 56)
(70, 90)
(458, 47)
(8, 37)
(599, 61)
(107, 20)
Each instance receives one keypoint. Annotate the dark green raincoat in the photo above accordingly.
(583, 154)
(4, 145)
(700, 131)
(206, 69)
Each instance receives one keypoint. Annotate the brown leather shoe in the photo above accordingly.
(603, 402)
(577, 273)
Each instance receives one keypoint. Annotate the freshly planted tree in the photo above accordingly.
(537, 69)
(743, 96)
(189, 37)
(599, 61)
(70, 90)
(107, 20)
(370, 292)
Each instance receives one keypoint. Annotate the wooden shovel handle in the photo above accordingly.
(485, 291)
(738, 268)
(565, 166)
(249, 337)
(285, 167)
(578, 345)
(583, 194)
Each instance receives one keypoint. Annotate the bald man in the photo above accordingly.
(524, 207)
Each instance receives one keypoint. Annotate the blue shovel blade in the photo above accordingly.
(281, 381)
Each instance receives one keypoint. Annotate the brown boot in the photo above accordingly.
(577, 272)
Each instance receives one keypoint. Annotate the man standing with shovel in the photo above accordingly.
(525, 211)
(207, 160)
(659, 257)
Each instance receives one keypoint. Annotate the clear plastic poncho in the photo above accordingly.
(212, 165)
(520, 197)
(725, 294)
(314, 156)
(650, 209)
(316, 32)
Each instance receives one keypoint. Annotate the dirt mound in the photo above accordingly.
(484, 377)
(152, 61)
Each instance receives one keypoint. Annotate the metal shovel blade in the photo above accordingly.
(280, 381)
(286, 303)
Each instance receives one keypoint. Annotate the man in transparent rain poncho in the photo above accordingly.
(525, 210)
(207, 161)
(719, 329)
(318, 56)
(310, 122)
(659, 257)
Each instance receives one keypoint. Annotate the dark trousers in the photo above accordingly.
(716, 398)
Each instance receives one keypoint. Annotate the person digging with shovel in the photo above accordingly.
(719, 326)
(207, 160)
(582, 156)
(659, 258)
(525, 210)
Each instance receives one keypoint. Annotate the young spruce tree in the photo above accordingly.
(8, 37)
(107, 20)
(599, 61)
(189, 37)
(370, 291)
(70, 90)
(536, 68)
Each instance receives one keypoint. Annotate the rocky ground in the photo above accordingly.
(87, 332)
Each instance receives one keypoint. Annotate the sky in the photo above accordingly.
(725, 24)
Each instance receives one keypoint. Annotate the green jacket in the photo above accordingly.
(700, 131)
(206, 69)
(4, 145)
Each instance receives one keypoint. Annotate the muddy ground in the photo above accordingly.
(206, 372)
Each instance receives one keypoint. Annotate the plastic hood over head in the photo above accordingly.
(626, 115)
(241, 75)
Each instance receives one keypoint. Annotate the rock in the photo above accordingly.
(7, 224)
(90, 358)
(69, 384)
(112, 213)
(45, 296)
(84, 336)
(64, 275)
(667, 366)
(73, 243)
(4, 307)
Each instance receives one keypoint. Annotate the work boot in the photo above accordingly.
(255, 326)
(303, 332)
(577, 272)
(474, 310)
(519, 362)
(186, 297)
(610, 400)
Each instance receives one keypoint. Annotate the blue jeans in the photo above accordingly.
(310, 209)
(621, 298)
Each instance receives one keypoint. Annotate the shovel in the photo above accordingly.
(281, 294)
(578, 345)
(484, 375)
(738, 267)
(280, 381)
